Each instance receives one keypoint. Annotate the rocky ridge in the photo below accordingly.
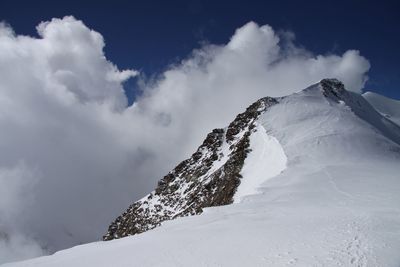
(210, 177)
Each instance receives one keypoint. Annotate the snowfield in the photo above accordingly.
(320, 188)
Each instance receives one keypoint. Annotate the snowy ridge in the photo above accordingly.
(389, 108)
(210, 177)
(334, 90)
(332, 199)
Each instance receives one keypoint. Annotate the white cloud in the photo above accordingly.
(14, 247)
(68, 136)
(16, 193)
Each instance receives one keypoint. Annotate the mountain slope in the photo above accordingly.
(330, 197)
(209, 178)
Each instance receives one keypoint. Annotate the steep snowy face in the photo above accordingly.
(210, 177)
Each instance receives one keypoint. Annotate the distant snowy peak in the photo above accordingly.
(388, 107)
(212, 175)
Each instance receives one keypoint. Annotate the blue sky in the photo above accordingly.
(150, 35)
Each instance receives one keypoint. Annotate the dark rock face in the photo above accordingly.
(208, 178)
(333, 89)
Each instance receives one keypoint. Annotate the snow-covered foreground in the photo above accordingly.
(336, 203)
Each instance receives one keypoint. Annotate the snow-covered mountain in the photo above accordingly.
(312, 179)
(388, 107)
(210, 177)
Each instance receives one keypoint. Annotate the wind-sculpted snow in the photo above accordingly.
(266, 160)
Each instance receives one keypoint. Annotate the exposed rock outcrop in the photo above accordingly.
(208, 178)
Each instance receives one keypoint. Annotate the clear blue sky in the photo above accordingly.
(149, 35)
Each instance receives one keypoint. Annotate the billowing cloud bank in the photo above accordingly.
(73, 155)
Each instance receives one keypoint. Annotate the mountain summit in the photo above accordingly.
(312, 179)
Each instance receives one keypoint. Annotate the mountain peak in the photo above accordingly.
(212, 175)
(333, 89)
(332, 82)
(314, 178)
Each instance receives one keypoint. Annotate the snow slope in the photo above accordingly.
(336, 203)
(388, 107)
